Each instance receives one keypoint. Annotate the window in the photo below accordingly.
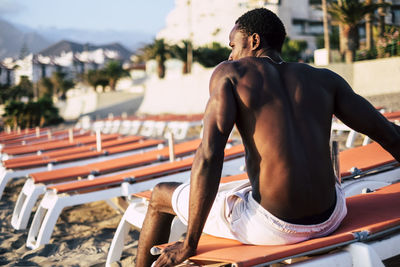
(396, 15)
(315, 2)
(315, 28)
(298, 27)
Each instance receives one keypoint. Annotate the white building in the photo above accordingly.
(207, 21)
(69, 57)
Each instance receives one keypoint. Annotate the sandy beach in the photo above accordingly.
(82, 236)
(83, 233)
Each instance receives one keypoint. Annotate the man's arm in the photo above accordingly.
(359, 114)
(219, 119)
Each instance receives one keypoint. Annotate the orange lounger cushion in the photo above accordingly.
(114, 164)
(140, 159)
(137, 175)
(57, 145)
(364, 158)
(141, 174)
(76, 153)
(371, 212)
(48, 176)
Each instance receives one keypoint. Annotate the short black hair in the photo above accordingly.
(266, 23)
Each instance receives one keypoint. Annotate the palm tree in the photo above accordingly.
(95, 78)
(326, 28)
(160, 51)
(381, 17)
(114, 71)
(350, 13)
(181, 53)
(61, 84)
(369, 41)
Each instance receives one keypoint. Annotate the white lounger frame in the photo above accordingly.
(52, 203)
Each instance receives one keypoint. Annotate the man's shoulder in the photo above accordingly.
(226, 69)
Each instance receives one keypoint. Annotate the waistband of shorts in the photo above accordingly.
(334, 219)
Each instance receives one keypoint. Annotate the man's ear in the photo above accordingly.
(255, 41)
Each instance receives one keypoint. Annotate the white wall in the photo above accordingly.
(371, 77)
(177, 93)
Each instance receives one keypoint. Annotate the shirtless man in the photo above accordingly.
(283, 112)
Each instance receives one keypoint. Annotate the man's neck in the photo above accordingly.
(273, 55)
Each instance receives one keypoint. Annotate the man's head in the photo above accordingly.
(259, 29)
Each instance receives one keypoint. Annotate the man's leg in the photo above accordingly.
(157, 223)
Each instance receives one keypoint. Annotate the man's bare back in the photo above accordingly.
(284, 117)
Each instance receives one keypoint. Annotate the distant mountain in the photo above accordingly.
(68, 46)
(130, 39)
(13, 39)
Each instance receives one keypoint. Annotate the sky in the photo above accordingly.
(147, 16)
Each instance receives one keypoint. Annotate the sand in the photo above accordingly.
(82, 236)
(83, 233)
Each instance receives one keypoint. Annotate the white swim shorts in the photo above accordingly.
(236, 215)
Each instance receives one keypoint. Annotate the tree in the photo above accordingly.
(46, 87)
(23, 89)
(61, 84)
(160, 51)
(13, 112)
(325, 21)
(24, 52)
(333, 39)
(114, 71)
(381, 18)
(350, 13)
(369, 41)
(211, 55)
(293, 49)
(181, 52)
(31, 114)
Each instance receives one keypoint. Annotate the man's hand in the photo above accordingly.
(174, 254)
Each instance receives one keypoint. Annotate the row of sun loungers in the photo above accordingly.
(74, 158)
(80, 174)
(39, 183)
(149, 126)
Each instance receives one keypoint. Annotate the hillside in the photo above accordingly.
(12, 40)
(69, 46)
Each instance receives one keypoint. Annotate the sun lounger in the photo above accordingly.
(67, 154)
(6, 137)
(36, 185)
(58, 144)
(110, 153)
(42, 138)
(69, 194)
(136, 211)
(368, 235)
(367, 167)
